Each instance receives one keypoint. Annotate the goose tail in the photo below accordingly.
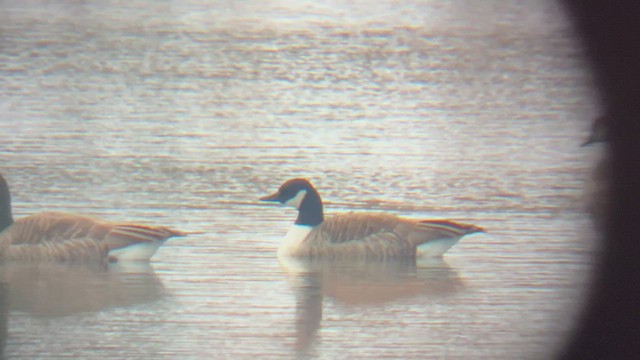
(138, 242)
(140, 233)
(437, 236)
(449, 227)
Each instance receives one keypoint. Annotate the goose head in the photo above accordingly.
(301, 195)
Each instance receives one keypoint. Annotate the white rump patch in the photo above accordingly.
(136, 252)
(295, 237)
(437, 247)
(296, 200)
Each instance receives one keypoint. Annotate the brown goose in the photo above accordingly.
(359, 235)
(57, 236)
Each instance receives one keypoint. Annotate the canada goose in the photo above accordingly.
(359, 235)
(57, 236)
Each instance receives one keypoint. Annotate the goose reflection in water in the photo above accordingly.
(54, 289)
(4, 315)
(364, 283)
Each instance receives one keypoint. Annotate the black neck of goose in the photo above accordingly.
(6, 219)
(310, 212)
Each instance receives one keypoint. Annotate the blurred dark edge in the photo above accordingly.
(609, 327)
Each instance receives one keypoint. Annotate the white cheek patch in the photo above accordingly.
(296, 200)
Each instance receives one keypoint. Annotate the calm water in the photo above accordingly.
(184, 113)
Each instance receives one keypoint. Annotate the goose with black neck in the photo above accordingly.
(359, 235)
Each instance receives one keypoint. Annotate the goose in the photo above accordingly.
(59, 236)
(359, 235)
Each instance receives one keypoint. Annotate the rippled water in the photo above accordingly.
(185, 113)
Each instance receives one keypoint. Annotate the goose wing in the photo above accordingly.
(123, 235)
(52, 227)
(76, 250)
(380, 235)
(432, 230)
(362, 235)
(349, 227)
(64, 229)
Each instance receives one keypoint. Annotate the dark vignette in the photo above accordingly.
(609, 327)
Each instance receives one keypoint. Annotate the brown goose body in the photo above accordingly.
(58, 236)
(380, 236)
(360, 235)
